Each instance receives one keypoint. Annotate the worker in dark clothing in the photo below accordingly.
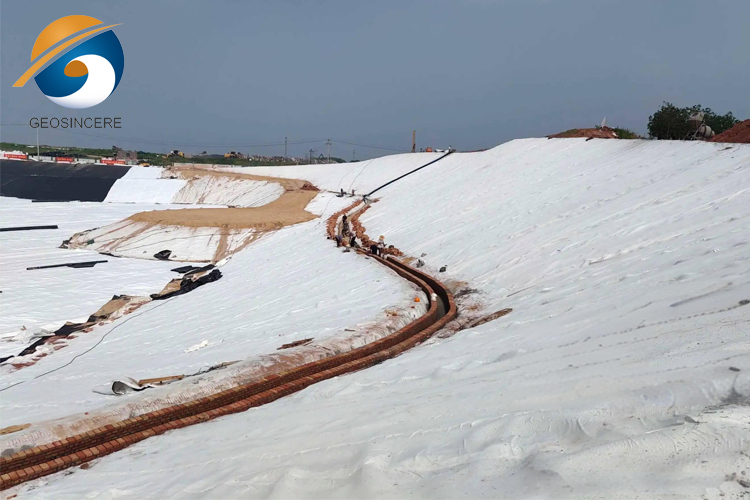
(345, 225)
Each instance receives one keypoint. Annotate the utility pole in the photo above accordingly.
(37, 143)
(413, 141)
(354, 154)
(285, 143)
(311, 152)
(328, 143)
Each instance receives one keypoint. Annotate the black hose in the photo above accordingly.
(27, 228)
(407, 173)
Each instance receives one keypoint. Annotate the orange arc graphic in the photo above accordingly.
(42, 61)
(60, 29)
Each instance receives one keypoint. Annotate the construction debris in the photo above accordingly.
(163, 255)
(120, 387)
(27, 228)
(127, 384)
(116, 307)
(490, 317)
(13, 428)
(184, 269)
(464, 292)
(65, 330)
(192, 269)
(295, 344)
(74, 265)
(186, 284)
(120, 305)
(199, 270)
(160, 380)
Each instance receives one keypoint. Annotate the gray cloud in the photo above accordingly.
(471, 74)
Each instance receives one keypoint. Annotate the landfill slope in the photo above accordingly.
(47, 298)
(245, 316)
(623, 368)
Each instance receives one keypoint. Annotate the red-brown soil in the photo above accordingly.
(739, 133)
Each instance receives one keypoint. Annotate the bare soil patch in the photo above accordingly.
(286, 210)
(740, 133)
(190, 172)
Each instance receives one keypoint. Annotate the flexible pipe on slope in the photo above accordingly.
(407, 173)
(75, 450)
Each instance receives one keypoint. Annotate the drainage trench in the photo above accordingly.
(440, 308)
(75, 450)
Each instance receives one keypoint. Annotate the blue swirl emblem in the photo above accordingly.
(82, 76)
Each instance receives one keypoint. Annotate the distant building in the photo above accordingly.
(121, 154)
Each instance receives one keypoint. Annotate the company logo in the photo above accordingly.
(82, 76)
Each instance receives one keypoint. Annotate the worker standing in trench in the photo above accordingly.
(343, 232)
(381, 245)
(377, 248)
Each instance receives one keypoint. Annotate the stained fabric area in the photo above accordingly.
(120, 305)
(114, 308)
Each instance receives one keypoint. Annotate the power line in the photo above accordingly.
(190, 144)
(370, 146)
(201, 145)
(159, 143)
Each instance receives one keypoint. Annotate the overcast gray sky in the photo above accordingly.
(223, 75)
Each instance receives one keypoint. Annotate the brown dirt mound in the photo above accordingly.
(591, 133)
(740, 133)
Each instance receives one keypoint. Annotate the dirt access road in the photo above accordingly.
(286, 210)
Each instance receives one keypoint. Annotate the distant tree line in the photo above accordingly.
(671, 122)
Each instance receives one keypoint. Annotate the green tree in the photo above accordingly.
(671, 122)
(718, 123)
(624, 133)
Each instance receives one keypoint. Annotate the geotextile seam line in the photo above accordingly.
(75, 450)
